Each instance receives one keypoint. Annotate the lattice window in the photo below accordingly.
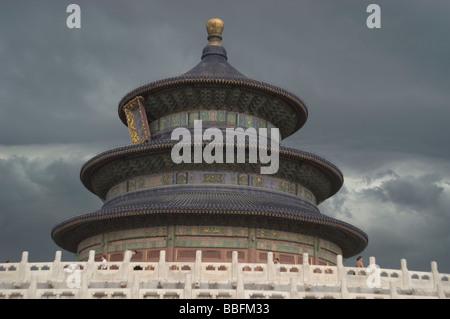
(262, 257)
(287, 259)
(138, 255)
(116, 257)
(153, 255)
(211, 254)
(186, 255)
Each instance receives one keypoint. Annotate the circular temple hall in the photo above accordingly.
(151, 203)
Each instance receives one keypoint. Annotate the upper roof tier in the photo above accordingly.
(215, 84)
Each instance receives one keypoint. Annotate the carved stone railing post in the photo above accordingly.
(198, 268)
(437, 280)
(135, 286)
(56, 270)
(393, 290)
(22, 270)
(435, 274)
(440, 291)
(125, 268)
(306, 270)
(31, 292)
(234, 269)
(162, 269)
(340, 268)
(293, 288)
(83, 292)
(342, 277)
(374, 277)
(271, 268)
(188, 286)
(240, 293)
(344, 289)
(405, 274)
(86, 276)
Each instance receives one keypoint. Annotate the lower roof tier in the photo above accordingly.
(210, 207)
(106, 170)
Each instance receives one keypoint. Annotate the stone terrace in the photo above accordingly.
(197, 280)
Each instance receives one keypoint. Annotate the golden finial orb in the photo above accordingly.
(214, 27)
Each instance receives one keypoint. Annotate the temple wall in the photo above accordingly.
(210, 178)
(213, 117)
(216, 242)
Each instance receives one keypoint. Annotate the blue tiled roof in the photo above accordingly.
(214, 65)
(158, 146)
(214, 68)
(199, 202)
(221, 197)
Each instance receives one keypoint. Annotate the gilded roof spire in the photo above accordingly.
(214, 28)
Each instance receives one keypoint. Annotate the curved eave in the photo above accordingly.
(70, 233)
(296, 104)
(90, 167)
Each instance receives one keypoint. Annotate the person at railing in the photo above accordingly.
(133, 254)
(104, 261)
(133, 258)
(276, 261)
(359, 263)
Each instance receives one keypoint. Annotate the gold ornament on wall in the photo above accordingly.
(137, 120)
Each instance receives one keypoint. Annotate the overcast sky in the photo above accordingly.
(378, 101)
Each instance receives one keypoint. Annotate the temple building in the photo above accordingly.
(152, 204)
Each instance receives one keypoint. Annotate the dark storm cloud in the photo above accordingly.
(34, 195)
(387, 85)
(403, 210)
(46, 79)
(54, 76)
(416, 192)
(377, 100)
